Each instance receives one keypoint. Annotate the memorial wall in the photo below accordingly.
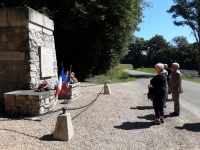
(27, 50)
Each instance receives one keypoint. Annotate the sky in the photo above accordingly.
(157, 21)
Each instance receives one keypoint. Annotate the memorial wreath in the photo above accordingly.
(44, 86)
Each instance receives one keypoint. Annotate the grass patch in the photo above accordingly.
(124, 66)
(191, 79)
(115, 75)
(147, 70)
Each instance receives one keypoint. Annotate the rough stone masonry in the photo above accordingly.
(27, 50)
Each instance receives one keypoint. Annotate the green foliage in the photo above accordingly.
(89, 34)
(117, 73)
(151, 70)
(136, 52)
(123, 75)
(113, 76)
(148, 53)
(191, 79)
(189, 11)
(154, 49)
(124, 66)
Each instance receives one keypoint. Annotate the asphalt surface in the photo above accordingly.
(190, 98)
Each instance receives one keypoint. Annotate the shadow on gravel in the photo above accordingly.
(8, 117)
(143, 76)
(152, 117)
(133, 125)
(195, 127)
(147, 117)
(142, 107)
(48, 137)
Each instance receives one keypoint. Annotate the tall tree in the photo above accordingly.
(181, 45)
(89, 33)
(154, 49)
(189, 10)
(136, 52)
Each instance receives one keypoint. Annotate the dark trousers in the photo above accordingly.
(158, 108)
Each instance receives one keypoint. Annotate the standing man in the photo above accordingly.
(168, 75)
(175, 87)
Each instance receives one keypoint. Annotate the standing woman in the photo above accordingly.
(158, 83)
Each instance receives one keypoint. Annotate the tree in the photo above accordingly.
(136, 52)
(181, 45)
(154, 49)
(189, 10)
(92, 33)
(190, 60)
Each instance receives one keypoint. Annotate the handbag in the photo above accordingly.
(151, 94)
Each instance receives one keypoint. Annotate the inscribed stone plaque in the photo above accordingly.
(12, 55)
(46, 61)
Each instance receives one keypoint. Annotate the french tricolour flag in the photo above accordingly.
(61, 83)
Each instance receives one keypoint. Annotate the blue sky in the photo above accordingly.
(157, 21)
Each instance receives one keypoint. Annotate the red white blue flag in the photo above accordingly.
(61, 83)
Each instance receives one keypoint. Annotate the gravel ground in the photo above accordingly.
(120, 121)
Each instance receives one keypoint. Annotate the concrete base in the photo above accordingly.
(64, 129)
(72, 92)
(29, 102)
(107, 89)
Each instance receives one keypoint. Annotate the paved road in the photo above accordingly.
(189, 100)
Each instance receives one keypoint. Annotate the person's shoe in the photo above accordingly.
(162, 120)
(156, 122)
(174, 114)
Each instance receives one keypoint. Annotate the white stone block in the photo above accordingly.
(47, 100)
(48, 23)
(49, 32)
(34, 27)
(107, 89)
(35, 16)
(64, 129)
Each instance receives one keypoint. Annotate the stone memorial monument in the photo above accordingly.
(27, 58)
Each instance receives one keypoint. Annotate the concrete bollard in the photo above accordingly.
(106, 89)
(64, 129)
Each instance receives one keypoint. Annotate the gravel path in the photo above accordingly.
(120, 121)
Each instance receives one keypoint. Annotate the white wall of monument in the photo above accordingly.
(20, 45)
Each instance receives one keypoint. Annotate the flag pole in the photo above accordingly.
(68, 81)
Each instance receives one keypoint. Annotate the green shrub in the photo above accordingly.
(124, 75)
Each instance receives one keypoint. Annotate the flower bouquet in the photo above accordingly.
(44, 86)
(73, 78)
